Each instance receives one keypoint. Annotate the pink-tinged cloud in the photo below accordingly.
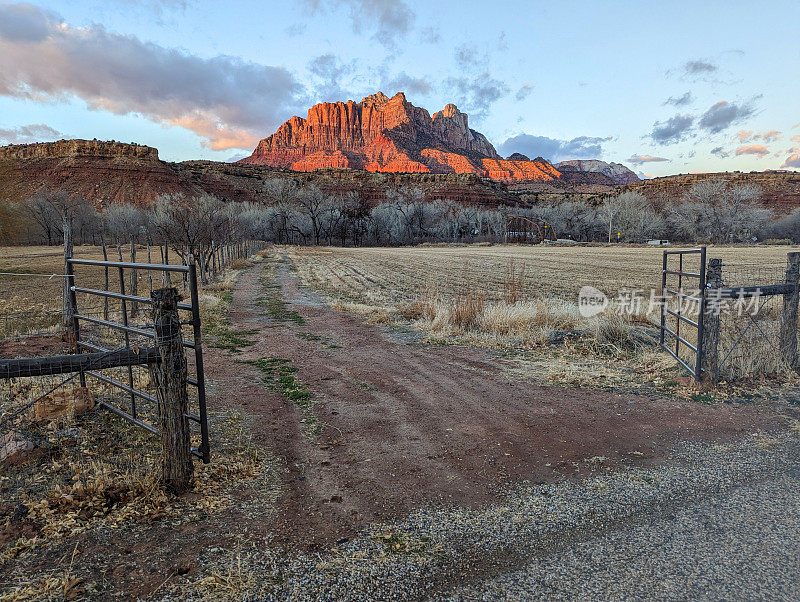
(640, 159)
(796, 138)
(796, 125)
(226, 101)
(753, 149)
(768, 136)
(792, 161)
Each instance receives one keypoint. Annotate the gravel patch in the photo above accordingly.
(716, 521)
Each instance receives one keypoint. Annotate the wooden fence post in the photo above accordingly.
(711, 319)
(169, 376)
(789, 315)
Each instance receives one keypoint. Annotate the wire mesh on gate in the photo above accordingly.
(750, 327)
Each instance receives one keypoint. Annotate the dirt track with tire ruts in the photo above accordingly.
(405, 425)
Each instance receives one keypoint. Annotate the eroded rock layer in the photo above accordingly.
(391, 135)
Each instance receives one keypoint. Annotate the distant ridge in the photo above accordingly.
(109, 173)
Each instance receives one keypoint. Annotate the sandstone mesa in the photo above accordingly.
(391, 135)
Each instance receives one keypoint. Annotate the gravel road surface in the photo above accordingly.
(714, 522)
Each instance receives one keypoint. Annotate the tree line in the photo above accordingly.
(709, 211)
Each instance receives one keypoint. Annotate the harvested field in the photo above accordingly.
(388, 277)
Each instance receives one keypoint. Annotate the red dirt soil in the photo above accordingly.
(407, 425)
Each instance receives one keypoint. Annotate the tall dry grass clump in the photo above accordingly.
(530, 319)
(424, 306)
(466, 310)
(513, 320)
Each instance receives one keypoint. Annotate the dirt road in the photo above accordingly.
(401, 425)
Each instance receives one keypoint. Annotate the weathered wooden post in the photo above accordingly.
(169, 376)
(711, 319)
(789, 315)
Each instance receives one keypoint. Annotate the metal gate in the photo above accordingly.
(142, 332)
(679, 304)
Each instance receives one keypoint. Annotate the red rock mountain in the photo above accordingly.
(383, 134)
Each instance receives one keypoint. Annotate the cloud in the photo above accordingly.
(723, 114)
(796, 138)
(392, 20)
(753, 149)
(330, 73)
(402, 82)
(640, 159)
(695, 70)
(236, 157)
(749, 135)
(792, 161)
(468, 57)
(796, 125)
(429, 35)
(524, 92)
(157, 6)
(720, 152)
(502, 42)
(554, 150)
(477, 94)
(227, 101)
(25, 23)
(699, 67)
(680, 101)
(672, 130)
(25, 134)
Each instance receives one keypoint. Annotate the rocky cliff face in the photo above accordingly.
(618, 173)
(382, 134)
(79, 148)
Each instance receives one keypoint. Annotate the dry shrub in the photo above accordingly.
(379, 316)
(208, 302)
(613, 332)
(750, 348)
(227, 283)
(239, 264)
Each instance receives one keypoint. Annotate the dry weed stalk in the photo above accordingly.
(513, 284)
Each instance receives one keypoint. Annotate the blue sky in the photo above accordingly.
(663, 87)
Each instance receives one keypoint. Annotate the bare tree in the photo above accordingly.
(631, 215)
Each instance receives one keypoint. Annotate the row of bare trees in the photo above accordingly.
(286, 212)
(709, 211)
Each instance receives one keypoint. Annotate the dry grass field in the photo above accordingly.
(391, 276)
(388, 277)
(30, 300)
(526, 297)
